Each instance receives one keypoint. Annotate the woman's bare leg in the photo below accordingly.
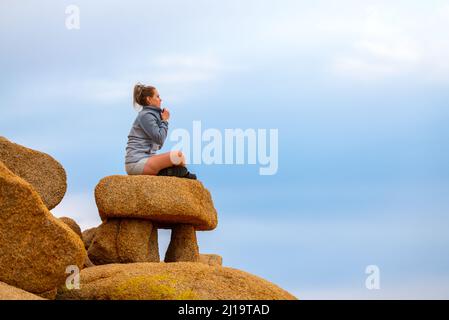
(160, 161)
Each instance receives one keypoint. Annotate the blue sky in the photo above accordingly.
(358, 91)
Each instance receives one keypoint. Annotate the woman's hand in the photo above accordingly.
(165, 115)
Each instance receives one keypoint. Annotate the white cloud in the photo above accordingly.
(188, 69)
(443, 11)
(204, 62)
(363, 41)
(389, 42)
(357, 67)
(400, 51)
(176, 74)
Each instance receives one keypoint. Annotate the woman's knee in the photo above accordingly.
(177, 157)
(150, 168)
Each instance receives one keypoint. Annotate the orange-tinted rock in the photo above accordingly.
(164, 200)
(172, 281)
(43, 172)
(36, 248)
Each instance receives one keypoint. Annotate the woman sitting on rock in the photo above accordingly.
(148, 134)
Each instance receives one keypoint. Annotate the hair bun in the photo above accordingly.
(141, 93)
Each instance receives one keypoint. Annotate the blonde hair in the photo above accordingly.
(141, 92)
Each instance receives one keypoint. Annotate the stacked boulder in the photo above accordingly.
(43, 172)
(8, 292)
(124, 247)
(171, 281)
(35, 247)
(133, 208)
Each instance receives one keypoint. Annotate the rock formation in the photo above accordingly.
(167, 281)
(8, 292)
(36, 248)
(88, 236)
(211, 259)
(72, 225)
(43, 172)
(134, 207)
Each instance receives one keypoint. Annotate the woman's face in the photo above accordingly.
(155, 100)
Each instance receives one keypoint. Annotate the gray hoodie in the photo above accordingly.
(147, 134)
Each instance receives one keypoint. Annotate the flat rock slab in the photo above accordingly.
(8, 292)
(164, 200)
(35, 247)
(43, 172)
(171, 281)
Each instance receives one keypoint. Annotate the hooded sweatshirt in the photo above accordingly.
(147, 135)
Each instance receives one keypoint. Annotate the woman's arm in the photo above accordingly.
(148, 123)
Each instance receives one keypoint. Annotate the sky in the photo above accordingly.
(357, 91)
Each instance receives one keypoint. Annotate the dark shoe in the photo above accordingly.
(174, 171)
(190, 176)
